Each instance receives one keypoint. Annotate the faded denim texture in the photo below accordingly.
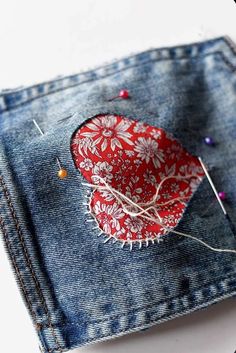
(77, 289)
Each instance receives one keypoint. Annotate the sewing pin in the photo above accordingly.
(62, 172)
(123, 94)
(38, 127)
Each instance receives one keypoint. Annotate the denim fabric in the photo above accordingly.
(77, 289)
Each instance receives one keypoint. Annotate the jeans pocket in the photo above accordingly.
(78, 288)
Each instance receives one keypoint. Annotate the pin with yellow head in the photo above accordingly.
(62, 172)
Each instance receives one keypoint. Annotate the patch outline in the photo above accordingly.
(147, 241)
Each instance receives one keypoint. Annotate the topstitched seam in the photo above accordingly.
(140, 326)
(147, 306)
(28, 261)
(17, 271)
(229, 64)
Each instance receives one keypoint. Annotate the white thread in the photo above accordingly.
(116, 193)
(142, 210)
(133, 214)
(107, 239)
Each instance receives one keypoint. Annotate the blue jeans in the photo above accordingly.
(77, 289)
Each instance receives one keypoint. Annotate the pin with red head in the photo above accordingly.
(123, 94)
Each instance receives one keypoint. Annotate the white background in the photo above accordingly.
(40, 40)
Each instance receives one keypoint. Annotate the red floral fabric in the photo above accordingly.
(134, 158)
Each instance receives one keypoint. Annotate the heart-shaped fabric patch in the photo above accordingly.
(141, 177)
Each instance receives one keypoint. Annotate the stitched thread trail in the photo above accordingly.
(126, 202)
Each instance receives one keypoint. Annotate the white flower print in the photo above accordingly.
(107, 195)
(156, 134)
(148, 235)
(107, 131)
(85, 145)
(166, 195)
(132, 191)
(109, 216)
(97, 207)
(140, 127)
(128, 236)
(174, 151)
(116, 213)
(129, 153)
(149, 178)
(170, 136)
(134, 224)
(102, 169)
(119, 175)
(174, 187)
(183, 169)
(184, 192)
(148, 150)
(194, 183)
(134, 179)
(139, 236)
(137, 162)
(120, 233)
(163, 231)
(133, 194)
(168, 171)
(136, 165)
(102, 217)
(194, 169)
(86, 164)
(151, 235)
(169, 219)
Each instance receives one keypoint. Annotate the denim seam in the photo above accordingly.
(136, 328)
(227, 62)
(14, 263)
(27, 258)
(118, 61)
(136, 309)
(18, 273)
(177, 313)
(231, 45)
(231, 66)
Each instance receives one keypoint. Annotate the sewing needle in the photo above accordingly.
(212, 185)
